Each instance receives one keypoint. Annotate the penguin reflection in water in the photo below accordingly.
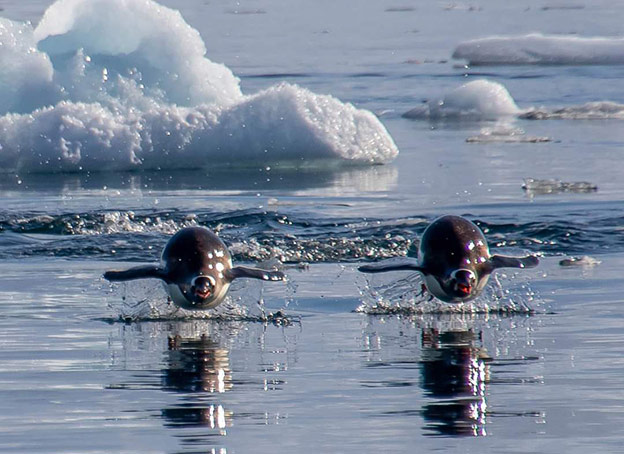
(454, 259)
(196, 268)
(197, 366)
(455, 370)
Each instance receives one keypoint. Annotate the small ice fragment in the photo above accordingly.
(596, 110)
(538, 187)
(505, 135)
(583, 261)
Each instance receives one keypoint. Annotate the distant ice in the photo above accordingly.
(481, 99)
(598, 110)
(125, 84)
(505, 134)
(538, 49)
(534, 186)
(484, 99)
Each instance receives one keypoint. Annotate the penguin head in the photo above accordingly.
(463, 284)
(202, 289)
(457, 287)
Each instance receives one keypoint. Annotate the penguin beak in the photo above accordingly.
(466, 289)
(462, 283)
(203, 293)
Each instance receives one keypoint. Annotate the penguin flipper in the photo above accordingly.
(502, 261)
(138, 272)
(395, 264)
(254, 273)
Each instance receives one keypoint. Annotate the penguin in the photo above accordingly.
(196, 268)
(454, 259)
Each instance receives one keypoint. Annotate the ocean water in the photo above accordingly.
(322, 135)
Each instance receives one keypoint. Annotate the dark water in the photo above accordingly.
(357, 364)
(278, 222)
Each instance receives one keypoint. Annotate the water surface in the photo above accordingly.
(334, 377)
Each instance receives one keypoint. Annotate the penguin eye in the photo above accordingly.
(202, 279)
(463, 275)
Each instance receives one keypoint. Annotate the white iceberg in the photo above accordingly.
(477, 99)
(538, 49)
(126, 84)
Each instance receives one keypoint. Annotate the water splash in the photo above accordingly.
(147, 301)
(405, 297)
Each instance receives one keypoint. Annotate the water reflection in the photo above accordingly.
(220, 179)
(201, 378)
(455, 371)
(199, 367)
(456, 359)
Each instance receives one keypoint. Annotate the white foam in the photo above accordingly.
(125, 84)
(481, 99)
(538, 49)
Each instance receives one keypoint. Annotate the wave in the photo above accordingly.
(538, 49)
(258, 235)
(122, 85)
(483, 99)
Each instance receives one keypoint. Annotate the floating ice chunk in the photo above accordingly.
(505, 134)
(538, 49)
(125, 84)
(283, 123)
(562, 7)
(481, 99)
(538, 187)
(584, 261)
(484, 99)
(599, 110)
(286, 122)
